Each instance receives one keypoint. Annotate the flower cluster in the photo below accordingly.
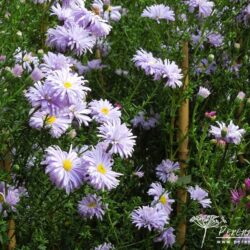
(166, 69)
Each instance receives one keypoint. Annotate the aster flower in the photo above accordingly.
(107, 11)
(40, 95)
(56, 123)
(52, 62)
(171, 73)
(146, 61)
(203, 92)
(93, 65)
(230, 133)
(205, 7)
(36, 75)
(63, 13)
(92, 22)
(104, 246)
(199, 194)
(215, 39)
(71, 36)
(80, 112)
(91, 206)
(161, 197)
(118, 137)
(237, 195)
(167, 237)
(149, 217)
(158, 12)
(26, 59)
(165, 168)
(103, 111)
(98, 165)
(10, 196)
(17, 70)
(64, 168)
(67, 88)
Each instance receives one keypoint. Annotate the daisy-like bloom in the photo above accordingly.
(92, 22)
(230, 134)
(107, 11)
(119, 138)
(149, 217)
(203, 92)
(52, 62)
(67, 88)
(91, 206)
(80, 112)
(158, 12)
(103, 111)
(10, 196)
(26, 59)
(165, 168)
(161, 197)
(171, 73)
(104, 246)
(215, 39)
(63, 13)
(40, 95)
(56, 123)
(71, 36)
(146, 61)
(205, 7)
(17, 70)
(64, 168)
(98, 164)
(93, 65)
(237, 195)
(200, 195)
(167, 237)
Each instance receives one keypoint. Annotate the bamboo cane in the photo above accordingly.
(6, 164)
(183, 148)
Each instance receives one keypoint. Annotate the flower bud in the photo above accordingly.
(241, 96)
(237, 46)
(224, 132)
(210, 58)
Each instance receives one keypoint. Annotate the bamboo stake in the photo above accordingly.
(183, 148)
(6, 164)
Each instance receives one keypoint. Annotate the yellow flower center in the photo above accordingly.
(105, 111)
(163, 199)
(92, 205)
(109, 8)
(67, 85)
(51, 119)
(101, 169)
(26, 58)
(67, 165)
(1, 198)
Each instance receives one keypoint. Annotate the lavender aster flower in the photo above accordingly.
(171, 73)
(98, 164)
(146, 61)
(119, 137)
(63, 13)
(199, 195)
(91, 206)
(165, 168)
(37, 75)
(103, 111)
(230, 133)
(159, 11)
(215, 39)
(205, 7)
(92, 22)
(203, 92)
(161, 197)
(168, 237)
(104, 246)
(149, 217)
(57, 123)
(17, 70)
(64, 168)
(80, 112)
(67, 88)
